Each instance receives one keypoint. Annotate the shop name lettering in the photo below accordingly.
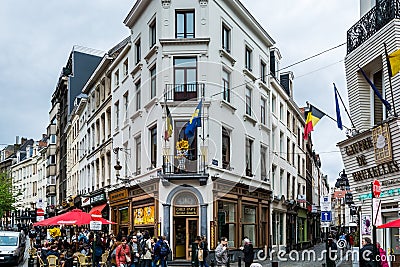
(379, 170)
(186, 211)
(365, 188)
(390, 192)
(118, 196)
(359, 146)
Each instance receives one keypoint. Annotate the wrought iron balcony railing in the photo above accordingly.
(173, 164)
(183, 92)
(373, 21)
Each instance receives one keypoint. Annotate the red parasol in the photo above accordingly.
(392, 224)
(74, 217)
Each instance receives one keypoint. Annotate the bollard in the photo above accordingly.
(275, 264)
(239, 261)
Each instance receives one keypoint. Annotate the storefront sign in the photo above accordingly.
(98, 198)
(382, 144)
(376, 171)
(185, 211)
(144, 215)
(359, 146)
(119, 195)
(212, 235)
(390, 192)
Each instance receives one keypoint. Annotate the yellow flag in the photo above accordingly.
(394, 59)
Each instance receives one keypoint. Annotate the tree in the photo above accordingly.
(7, 198)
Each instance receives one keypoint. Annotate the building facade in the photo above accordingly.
(371, 151)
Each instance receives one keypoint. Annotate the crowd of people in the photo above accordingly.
(134, 250)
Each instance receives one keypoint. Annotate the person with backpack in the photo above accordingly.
(123, 254)
(145, 250)
(161, 252)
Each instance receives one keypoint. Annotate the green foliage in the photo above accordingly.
(6, 193)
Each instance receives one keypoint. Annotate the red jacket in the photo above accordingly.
(120, 253)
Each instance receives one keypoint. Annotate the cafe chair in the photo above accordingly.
(41, 262)
(83, 260)
(103, 261)
(52, 261)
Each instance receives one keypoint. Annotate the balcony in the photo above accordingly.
(184, 168)
(380, 15)
(183, 92)
(50, 190)
(51, 170)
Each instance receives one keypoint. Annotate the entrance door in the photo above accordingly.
(185, 232)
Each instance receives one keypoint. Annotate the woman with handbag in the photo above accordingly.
(123, 254)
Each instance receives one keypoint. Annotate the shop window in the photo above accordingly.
(124, 215)
(227, 221)
(249, 222)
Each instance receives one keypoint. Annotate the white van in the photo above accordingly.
(12, 247)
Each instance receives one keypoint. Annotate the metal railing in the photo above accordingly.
(371, 22)
(183, 92)
(190, 164)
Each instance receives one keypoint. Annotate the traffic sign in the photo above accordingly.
(326, 204)
(376, 188)
(326, 216)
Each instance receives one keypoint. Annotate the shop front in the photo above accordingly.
(120, 211)
(240, 214)
(144, 207)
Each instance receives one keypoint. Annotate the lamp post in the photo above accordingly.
(342, 183)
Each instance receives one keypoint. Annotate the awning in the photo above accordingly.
(97, 208)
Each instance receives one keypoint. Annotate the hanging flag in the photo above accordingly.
(338, 117)
(393, 62)
(313, 117)
(168, 125)
(376, 91)
(194, 122)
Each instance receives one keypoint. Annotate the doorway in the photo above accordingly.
(185, 232)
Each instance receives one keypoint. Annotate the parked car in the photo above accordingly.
(12, 247)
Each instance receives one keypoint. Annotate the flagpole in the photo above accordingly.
(345, 109)
(203, 126)
(390, 79)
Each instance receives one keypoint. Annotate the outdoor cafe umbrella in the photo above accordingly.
(74, 217)
(392, 224)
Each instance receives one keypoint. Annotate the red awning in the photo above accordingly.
(97, 208)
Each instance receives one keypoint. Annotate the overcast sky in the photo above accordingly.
(37, 37)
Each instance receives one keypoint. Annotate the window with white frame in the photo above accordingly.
(116, 113)
(138, 146)
(153, 33)
(184, 26)
(263, 71)
(125, 67)
(263, 163)
(138, 51)
(226, 38)
(248, 101)
(263, 113)
(248, 58)
(126, 105)
(226, 148)
(273, 104)
(138, 102)
(153, 82)
(226, 85)
(116, 78)
(249, 157)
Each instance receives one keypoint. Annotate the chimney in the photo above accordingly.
(17, 140)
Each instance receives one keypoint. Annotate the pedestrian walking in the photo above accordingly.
(248, 252)
(331, 255)
(204, 246)
(382, 255)
(366, 253)
(221, 252)
(123, 254)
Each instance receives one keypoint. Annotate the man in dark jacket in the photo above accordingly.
(366, 253)
(248, 252)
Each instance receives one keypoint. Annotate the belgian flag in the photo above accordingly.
(313, 117)
(168, 125)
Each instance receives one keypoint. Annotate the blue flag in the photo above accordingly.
(376, 91)
(194, 122)
(338, 117)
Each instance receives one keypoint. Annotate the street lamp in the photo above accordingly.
(343, 184)
(117, 166)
